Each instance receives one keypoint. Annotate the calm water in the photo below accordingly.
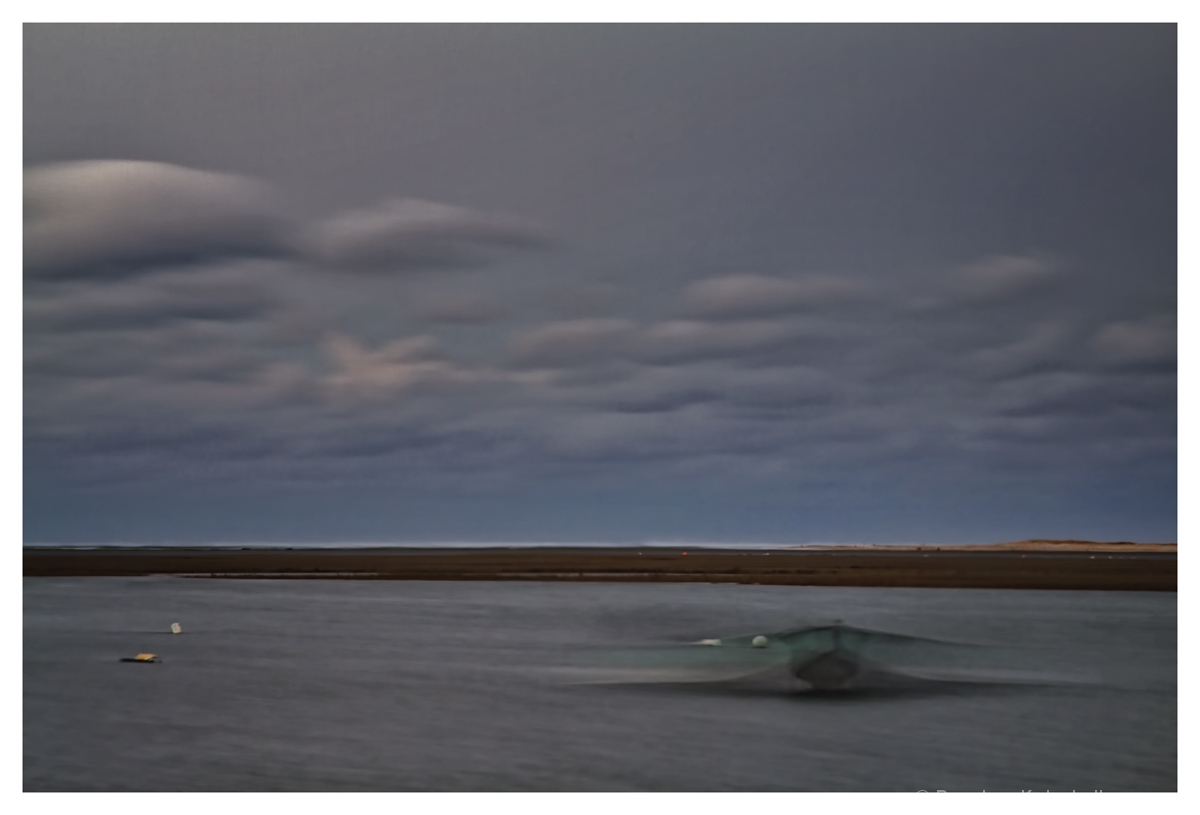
(362, 685)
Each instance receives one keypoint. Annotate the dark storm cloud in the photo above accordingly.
(95, 219)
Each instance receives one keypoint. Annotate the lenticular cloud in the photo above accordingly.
(109, 219)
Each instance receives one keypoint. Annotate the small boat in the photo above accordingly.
(141, 658)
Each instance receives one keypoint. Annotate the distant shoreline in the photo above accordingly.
(1041, 564)
(1038, 545)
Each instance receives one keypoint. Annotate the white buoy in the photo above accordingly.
(759, 642)
(175, 628)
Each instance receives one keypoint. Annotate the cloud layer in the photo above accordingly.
(155, 342)
(752, 295)
(913, 280)
(93, 219)
(408, 233)
(110, 219)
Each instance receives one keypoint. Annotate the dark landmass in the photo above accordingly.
(1035, 545)
(1024, 565)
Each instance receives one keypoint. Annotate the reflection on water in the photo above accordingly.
(365, 685)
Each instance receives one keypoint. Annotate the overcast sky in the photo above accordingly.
(786, 283)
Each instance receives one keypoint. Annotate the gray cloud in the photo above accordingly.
(143, 352)
(1038, 346)
(405, 234)
(407, 411)
(1147, 342)
(1059, 399)
(685, 340)
(834, 393)
(106, 219)
(887, 156)
(664, 388)
(463, 309)
(588, 341)
(1003, 277)
(148, 302)
(588, 299)
(751, 295)
(571, 342)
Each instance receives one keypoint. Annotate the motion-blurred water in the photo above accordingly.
(392, 685)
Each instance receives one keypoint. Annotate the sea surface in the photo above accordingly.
(456, 686)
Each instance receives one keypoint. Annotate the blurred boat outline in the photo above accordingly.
(824, 657)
